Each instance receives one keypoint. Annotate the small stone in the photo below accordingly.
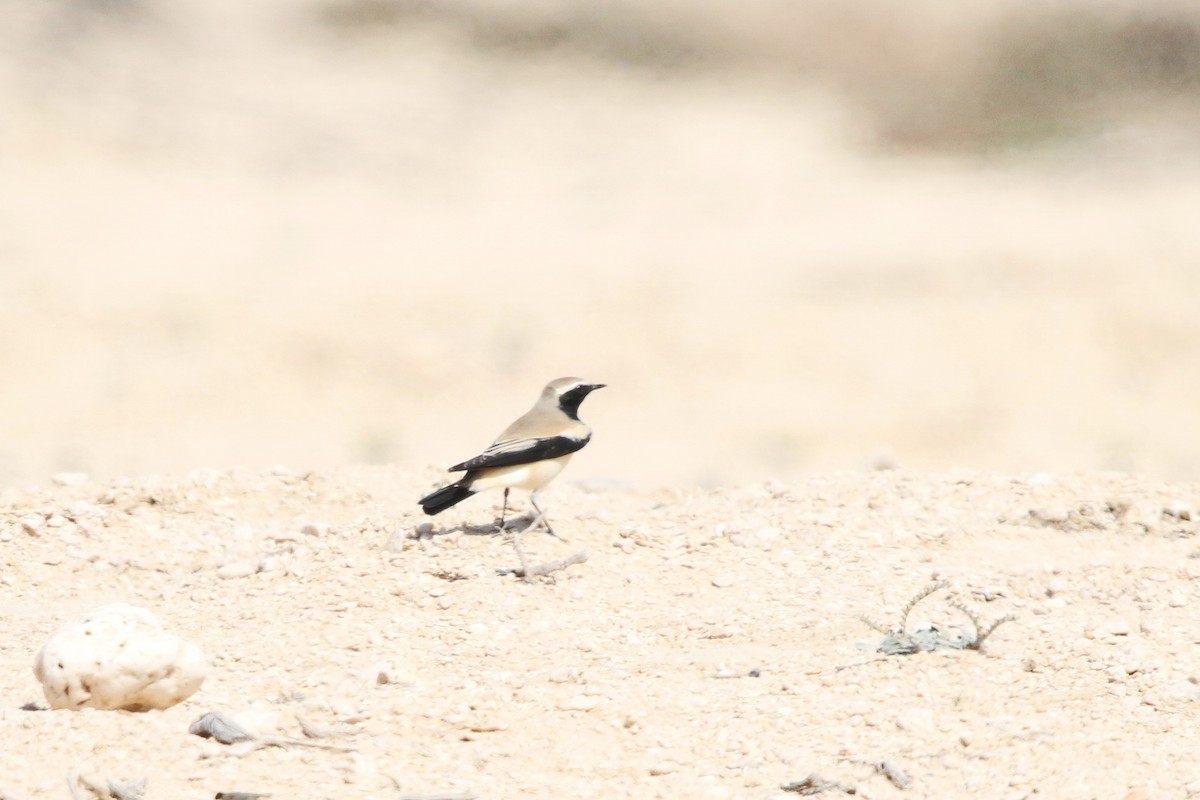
(80, 508)
(579, 702)
(1178, 509)
(1118, 627)
(32, 522)
(236, 569)
(1051, 515)
(396, 542)
(914, 719)
(69, 478)
(221, 727)
(722, 581)
(663, 768)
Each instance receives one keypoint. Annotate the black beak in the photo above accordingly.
(591, 387)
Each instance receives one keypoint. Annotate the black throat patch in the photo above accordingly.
(569, 401)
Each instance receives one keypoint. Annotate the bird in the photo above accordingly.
(527, 455)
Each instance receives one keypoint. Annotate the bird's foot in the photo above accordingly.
(540, 519)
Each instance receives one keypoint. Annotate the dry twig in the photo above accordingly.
(220, 727)
(527, 573)
(900, 640)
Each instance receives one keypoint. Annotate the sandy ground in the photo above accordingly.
(710, 646)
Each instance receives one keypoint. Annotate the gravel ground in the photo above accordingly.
(710, 646)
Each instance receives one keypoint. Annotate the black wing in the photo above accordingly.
(522, 451)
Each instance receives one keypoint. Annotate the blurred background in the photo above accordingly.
(791, 237)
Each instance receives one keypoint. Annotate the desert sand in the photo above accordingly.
(710, 646)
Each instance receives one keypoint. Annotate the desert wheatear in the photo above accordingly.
(528, 455)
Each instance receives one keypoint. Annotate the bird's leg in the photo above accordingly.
(541, 517)
(504, 510)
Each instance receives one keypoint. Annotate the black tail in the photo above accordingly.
(445, 497)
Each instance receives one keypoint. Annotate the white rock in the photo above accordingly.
(118, 657)
(236, 569)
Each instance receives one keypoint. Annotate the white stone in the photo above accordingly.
(118, 657)
(236, 569)
(579, 702)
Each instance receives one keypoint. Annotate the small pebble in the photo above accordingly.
(579, 702)
(722, 581)
(1051, 515)
(914, 719)
(236, 569)
(1178, 509)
